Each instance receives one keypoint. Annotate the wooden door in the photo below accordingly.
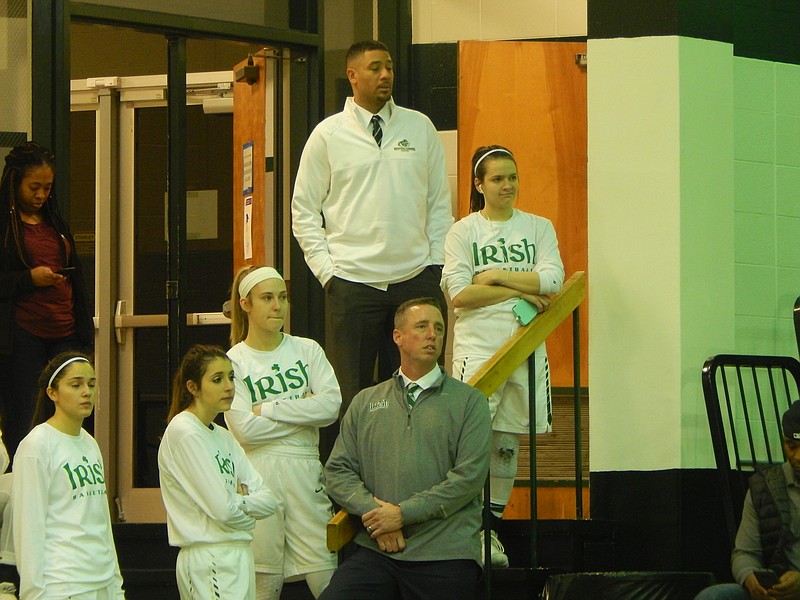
(531, 97)
(253, 152)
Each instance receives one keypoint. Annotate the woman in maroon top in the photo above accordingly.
(43, 309)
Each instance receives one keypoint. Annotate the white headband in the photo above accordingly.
(253, 278)
(487, 153)
(64, 364)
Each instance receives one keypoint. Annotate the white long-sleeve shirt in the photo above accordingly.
(294, 388)
(369, 214)
(6, 534)
(200, 468)
(525, 242)
(62, 527)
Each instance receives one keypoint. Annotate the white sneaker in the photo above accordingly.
(499, 558)
(7, 591)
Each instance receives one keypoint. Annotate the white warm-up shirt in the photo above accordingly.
(369, 214)
(62, 527)
(200, 468)
(525, 242)
(295, 388)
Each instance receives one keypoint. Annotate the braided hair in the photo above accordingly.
(19, 161)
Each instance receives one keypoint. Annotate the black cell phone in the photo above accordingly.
(66, 270)
(766, 578)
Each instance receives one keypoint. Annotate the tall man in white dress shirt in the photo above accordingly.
(370, 210)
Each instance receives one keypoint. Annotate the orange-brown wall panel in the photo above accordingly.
(551, 503)
(249, 116)
(531, 97)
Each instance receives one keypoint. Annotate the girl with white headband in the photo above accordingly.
(496, 257)
(62, 527)
(285, 391)
(212, 493)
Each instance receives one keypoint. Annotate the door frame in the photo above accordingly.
(115, 101)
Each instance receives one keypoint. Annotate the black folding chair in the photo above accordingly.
(745, 399)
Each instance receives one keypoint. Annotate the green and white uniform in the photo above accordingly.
(62, 527)
(296, 392)
(525, 243)
(6, 533)
(200, 468)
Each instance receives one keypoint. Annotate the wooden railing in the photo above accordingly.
(518, 348)
(342, 527)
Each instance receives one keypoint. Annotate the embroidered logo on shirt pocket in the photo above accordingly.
(404, 146)
(380, 404)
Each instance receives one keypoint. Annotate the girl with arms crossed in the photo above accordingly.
(212, 494)
(495, 257)
(285, 391)
(62, 527)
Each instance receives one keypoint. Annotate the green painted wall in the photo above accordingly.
(766, 204)
(707, 224)
(694, 235)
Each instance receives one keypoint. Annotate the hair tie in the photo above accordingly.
(253, 278)
(64, 364)
(487, 153)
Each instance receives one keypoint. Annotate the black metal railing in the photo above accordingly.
(507, 359)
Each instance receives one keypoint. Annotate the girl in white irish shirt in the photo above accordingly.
(62, 527)
(212, 493)
(496, 257)
(285, 391)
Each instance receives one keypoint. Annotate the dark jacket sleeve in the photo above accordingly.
(14, 283)
(15, 280)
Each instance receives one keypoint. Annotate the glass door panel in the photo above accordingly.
(208, 260)
(81, 215)
(119, 187)
(143, 273)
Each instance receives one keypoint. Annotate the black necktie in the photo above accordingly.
(377, 132)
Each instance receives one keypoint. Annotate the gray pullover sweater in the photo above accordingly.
(431, 460)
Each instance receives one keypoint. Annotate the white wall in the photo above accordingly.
(660, 114)
(15, 69)
(453, 20)
(634, 235)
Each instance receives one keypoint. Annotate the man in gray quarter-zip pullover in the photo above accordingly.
(411, 459)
